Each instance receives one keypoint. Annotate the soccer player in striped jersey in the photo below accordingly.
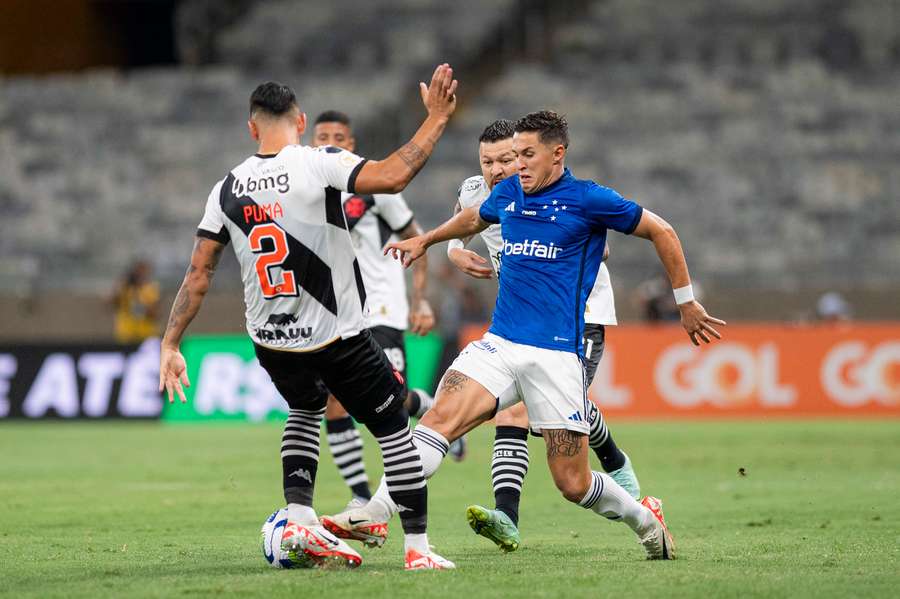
(510, 459)
(374, 220)
(281, 211)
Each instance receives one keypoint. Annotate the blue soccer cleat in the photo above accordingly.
(627, 479)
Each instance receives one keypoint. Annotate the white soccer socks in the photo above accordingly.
(302, 514)
(381, 507)
(606, 498)
(419, 542)
(432, 448)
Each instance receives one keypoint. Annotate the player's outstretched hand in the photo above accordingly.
(408, 250)
(439, 97)
(470, 263)
(172, 373)
(698, 323)
(421, 318)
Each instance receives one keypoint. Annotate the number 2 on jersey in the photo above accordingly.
(268, 259)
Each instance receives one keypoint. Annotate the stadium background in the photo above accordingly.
(766, 131)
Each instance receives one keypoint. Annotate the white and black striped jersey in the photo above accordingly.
(283, 216)
(373, 221)
(600, 307)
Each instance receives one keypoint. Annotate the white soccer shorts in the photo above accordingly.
(550, 382)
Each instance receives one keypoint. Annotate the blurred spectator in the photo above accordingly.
(656, 301)
(136, 301)
(199, 24)
(832, 307)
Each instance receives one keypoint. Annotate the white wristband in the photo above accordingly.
(455, 244)
(684, 294)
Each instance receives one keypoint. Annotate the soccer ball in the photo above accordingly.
(272, 530)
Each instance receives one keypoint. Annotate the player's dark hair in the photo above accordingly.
(333, 116)
(272, 98)
(498, 130)
(550, 127)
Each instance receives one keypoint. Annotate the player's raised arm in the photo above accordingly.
(394, 173)
(465, 222)
(466, 260)
(172, 367)
(694, 318)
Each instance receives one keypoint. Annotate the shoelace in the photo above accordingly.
(651, 542)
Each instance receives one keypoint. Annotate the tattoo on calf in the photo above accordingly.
(562, 442)
(453, 381)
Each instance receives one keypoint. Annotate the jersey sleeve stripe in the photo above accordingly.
(351, 181)
(222, 236)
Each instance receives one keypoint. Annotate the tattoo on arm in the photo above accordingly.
(453, 381)
(204, 260)
(182, 302)
(215, 255)
(562, 442)
(413, 156)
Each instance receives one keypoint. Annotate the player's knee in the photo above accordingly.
(439, 419)
(573, 493)
(573, 487)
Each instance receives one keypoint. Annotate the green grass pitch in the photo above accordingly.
(136, 509)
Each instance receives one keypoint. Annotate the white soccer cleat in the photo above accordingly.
(658, 541)
(356, 524)
(427, 561)
(356, 503)
(315, 547)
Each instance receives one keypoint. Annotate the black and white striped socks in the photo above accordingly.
(431, 447)
(404, 476)
(509, 464)
(347, 450)
(601, 441)
(300, 455)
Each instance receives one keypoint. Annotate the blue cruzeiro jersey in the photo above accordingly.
(552, 248)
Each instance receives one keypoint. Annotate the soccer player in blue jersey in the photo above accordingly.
(554, 229)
